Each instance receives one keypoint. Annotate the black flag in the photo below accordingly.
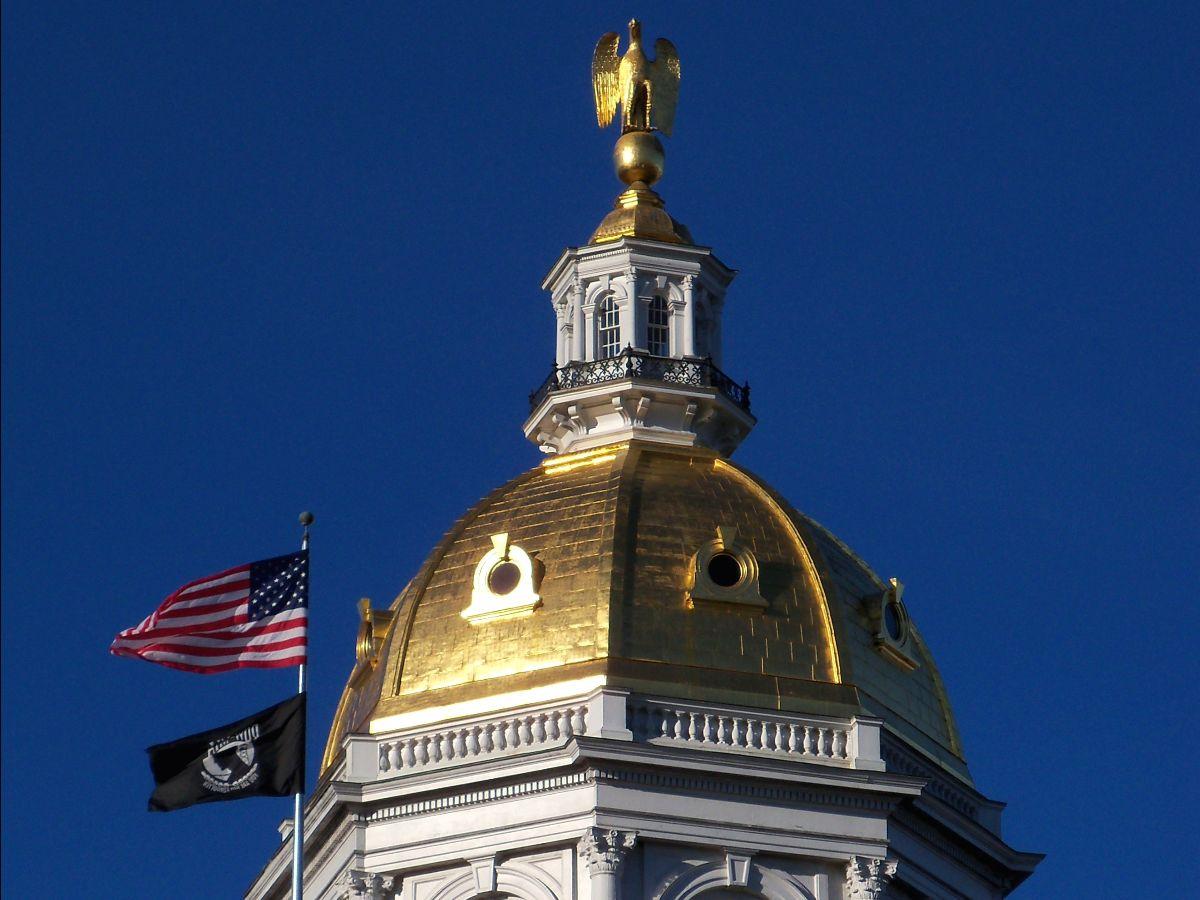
(261, 755)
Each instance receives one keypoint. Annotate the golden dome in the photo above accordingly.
(615, 533)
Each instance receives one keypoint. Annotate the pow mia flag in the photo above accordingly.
(261, 755)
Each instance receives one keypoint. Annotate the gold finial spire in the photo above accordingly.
(647, 92)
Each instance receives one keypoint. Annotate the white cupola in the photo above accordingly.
(638, 350)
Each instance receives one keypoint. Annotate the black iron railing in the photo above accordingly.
(632, 363)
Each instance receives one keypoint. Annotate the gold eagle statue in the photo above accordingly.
(647, 90)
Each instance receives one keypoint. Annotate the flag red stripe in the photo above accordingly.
(249, 654)
(251, 629)
(185, 629)
(228, 667)
(241, 633)
(191, 584)
(212, 606)
(175, 601)
(192, 650)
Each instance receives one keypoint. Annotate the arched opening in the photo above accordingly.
(703, 331)
(658, 327)
(608, 329)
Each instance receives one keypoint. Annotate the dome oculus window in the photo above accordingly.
(505, 584)
(504, 578)
(892, 629)
(725, 571)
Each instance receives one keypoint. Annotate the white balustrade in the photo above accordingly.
(509, 734)
(811, 740)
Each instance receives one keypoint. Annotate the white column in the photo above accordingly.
(603, 850)
(578, 325)
(629, 311)
(563, 335)
(688, 348)
(589, 331)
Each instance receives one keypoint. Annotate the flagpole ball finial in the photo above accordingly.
(307, 518)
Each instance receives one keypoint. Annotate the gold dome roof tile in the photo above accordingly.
(615, 531)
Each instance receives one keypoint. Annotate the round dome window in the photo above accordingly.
(503, 578)
(893, 622)
(724, 570)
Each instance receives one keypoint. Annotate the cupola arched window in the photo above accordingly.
(703, 345)
(658, 328)
(608, 329)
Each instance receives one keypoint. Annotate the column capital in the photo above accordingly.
(356, 884)
(604, 849)
(867, 877)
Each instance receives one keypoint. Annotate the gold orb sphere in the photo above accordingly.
(639, 156)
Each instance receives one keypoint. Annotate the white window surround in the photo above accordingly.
(521, 599)
(608, 328)
(893, 630)
(745, 590)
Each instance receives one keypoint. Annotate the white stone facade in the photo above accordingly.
(604, 795)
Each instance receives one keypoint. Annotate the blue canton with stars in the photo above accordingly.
(278, 584)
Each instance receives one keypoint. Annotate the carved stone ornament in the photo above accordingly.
(356, 884)
(603, 849)
(867, 877)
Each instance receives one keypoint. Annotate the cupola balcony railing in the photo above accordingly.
(638, 364)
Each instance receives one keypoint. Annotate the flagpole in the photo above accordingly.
(306, 519)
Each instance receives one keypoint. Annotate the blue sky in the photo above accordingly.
(259, 258)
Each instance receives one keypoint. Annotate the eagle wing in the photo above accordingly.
(664, 94)
(605, 77)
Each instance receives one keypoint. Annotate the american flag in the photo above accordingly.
(251, 616)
